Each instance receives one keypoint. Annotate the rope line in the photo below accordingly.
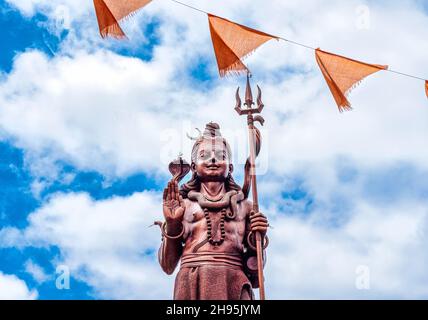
(297, 43)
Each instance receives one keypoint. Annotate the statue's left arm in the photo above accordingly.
(255, 222)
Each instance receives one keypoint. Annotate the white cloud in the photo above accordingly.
(311, 261)
(36, 271)
(99, 110)
(53, 9)
(13, 288)
(104, 243)
(92, 120)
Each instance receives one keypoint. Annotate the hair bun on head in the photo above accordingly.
(212, 130)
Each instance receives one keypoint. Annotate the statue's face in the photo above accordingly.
(212, 162)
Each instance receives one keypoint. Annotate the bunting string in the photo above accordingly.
(233, 42)
(298, 43)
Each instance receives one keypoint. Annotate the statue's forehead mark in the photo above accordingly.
(214, 145)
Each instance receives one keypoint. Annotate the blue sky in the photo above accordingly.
(24, 34)
(17, 200)
(88, 127)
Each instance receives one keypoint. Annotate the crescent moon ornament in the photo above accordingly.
(195, 138)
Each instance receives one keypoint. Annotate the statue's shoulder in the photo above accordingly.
(246, 205)
(191, 206)
(192, 209)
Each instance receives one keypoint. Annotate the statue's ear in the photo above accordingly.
(230, 168)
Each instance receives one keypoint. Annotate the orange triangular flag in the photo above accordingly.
(110, 12)
(233, 42)
(343, 74)
(426, 87)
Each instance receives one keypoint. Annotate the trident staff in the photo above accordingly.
(254, 135)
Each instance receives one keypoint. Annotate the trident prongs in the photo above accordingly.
(260, 104)
(248, 94)
(249, 101)
(238, 102)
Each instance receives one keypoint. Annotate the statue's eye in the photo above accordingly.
(204, 155)
(220, 155)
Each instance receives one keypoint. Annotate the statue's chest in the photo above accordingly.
(196, 214)
(225, 208)
(214, 216)
(215, 225)
(216, 222)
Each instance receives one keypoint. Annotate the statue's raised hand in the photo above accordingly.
(173, 207)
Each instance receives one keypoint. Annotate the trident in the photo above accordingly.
(252, 130)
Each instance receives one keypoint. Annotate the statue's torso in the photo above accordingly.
(196, 229)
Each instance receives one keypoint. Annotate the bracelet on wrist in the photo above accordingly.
(165, 234)
(251, 240)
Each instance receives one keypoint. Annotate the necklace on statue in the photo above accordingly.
(216, 199)
(205, 202)
(227, 205)
(209, 227)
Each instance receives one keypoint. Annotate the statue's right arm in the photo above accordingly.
(169, 253)
(171, 248)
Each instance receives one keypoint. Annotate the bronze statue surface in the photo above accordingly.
(210, 227)
(206, 228)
